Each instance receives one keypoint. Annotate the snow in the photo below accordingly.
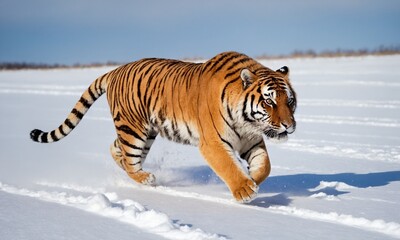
(108, 205)
(338, 176)
(336, 185)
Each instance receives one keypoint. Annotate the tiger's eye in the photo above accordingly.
(267, 103)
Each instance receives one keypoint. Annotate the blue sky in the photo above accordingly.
(87, 31)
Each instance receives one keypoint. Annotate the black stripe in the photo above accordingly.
(229, 113)
(250, 160)
(228, 110)
(246, 118)
(225, 62)
(146, 62)
(206, 65)
(153, 93)
(282, 85)
(242, 60)
(188, 129)
(139, 106)
(134, 164)
(77, 113)
(166, 133)
(43, 138)
(149, 78)
(132, 155)
(216, 130)
(92, 94)
(243, 155)
(125, 142)
(69, 123)
(135, 171)
(214, 61)
(244, 114)
(190, 77)
(85, 102)
(235, 72)
(129, 131)
(229, 125)
(53, 136)
(149, 69)
(152, 137)
(225, 141)
(177, 137)
(153, 77)
(139, 82)
(130, 73)
(161, 116)
(118, 117)
(136, 147)
(97, 86)
(259, 90)
(271, 84)
(224, 89)
(184, 74)
(62, 131)
(252, 98)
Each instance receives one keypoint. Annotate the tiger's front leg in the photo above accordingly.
(258, 160)
(224, 163)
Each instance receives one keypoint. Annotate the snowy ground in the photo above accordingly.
(338, 177)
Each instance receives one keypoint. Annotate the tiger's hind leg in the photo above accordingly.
(129, 151)
(116, 153)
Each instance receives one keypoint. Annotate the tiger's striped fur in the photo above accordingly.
(224, 106)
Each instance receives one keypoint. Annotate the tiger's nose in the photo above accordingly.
(288, 127)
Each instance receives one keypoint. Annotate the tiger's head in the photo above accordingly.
(269, 102)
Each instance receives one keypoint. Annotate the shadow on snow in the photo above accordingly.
(303, 185)
(285, 185)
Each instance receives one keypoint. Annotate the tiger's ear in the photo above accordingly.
(283, 70)
(247, 77)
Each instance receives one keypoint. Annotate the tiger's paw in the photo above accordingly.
(143, 177)
(246, 192)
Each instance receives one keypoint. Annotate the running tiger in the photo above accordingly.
(224, 106)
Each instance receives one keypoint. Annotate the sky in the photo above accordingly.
(89, 31)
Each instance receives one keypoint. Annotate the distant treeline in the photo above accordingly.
(25, 65)
(381, 51)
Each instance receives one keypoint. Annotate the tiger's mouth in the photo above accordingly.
(275, 136)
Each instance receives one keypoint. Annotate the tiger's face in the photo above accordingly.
(270, 102)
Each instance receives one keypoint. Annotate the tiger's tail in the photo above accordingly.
(92, 93)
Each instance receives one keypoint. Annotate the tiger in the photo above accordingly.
(224, 106)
